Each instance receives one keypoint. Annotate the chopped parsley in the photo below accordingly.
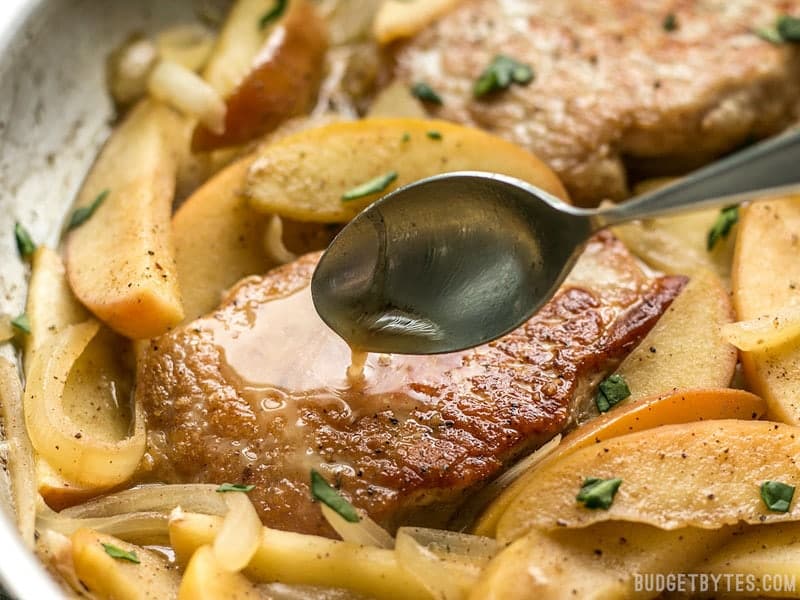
(22, 323)
(84, 213)
(777, 496)
(235, 487)
(611, 391)
(670, 22)
(273, 13)
(25, 243)
(121, 554)
(373, 186)
(598, 493)
(406, 137)
(785, 29)
(500, 74)
(426, 93)
(727, 218)
(434, 135)
(322, 491)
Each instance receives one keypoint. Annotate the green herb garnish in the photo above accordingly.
(25, 243)
(406, 137)
(611, 391)
(777, 496)
(22, 323)
(373, 186)
(84, 213)
(273, 13)
(121, 554)
(670, 22)
(500, 74)
(788, 28)
(434, 135)
(785, 29)
(769, 34)
(598, 493)
(235, 487)
(426, 93)
(722, 226)
(322, 491)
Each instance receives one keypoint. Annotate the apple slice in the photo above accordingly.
(766, 281)
(120, 259)
(685, 406)
(282, 81)
(686, 349)
(206, 579)
(704, 474)
(307, 176)
(219, 239)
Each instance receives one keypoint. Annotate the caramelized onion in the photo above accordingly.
(365, 532)
(74, 454)
(186, 91)
(240, 534)
(20, 452)
(195, 497)
(446, 563)
(274, 247)
(142, 527)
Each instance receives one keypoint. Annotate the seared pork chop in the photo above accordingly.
(257, 393)
(617, 82)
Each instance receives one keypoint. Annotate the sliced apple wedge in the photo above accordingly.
(703, 474)
(110, 568)
(685, 406)
(599, 562)
(766, 281)
(397, 19)
(282, 80)
(206, 579)
(219, 239)
(119, 251)
(314, 175)
(686, 349)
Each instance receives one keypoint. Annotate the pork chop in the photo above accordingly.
(618, 83)
(256, 393)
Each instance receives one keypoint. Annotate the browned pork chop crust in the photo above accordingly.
(612, 82)
(256, 393)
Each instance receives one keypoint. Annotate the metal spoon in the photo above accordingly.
(457, 260)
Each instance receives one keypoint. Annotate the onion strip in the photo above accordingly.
(55, 437)
(20, 451)
(145, 527)
(186, 91)
(446, 563)
(194, 497)
(240, 534)
(365, 532)
(274, 247)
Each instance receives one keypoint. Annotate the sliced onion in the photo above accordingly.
(20, 451)
(55, 550)
(55, 437)
(477, 502)
(188, 45)
(240, 533)
(397, 19)
(195, 497)
(274, 247)
(129, 68)
(6, 329)
(765, 332)
(189, 93)
(446, 563)
(148, 527)
(365, 533)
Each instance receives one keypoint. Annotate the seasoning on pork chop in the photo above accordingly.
(612, 83)
(256, 393)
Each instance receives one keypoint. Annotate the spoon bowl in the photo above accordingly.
(407, 274)
(457, 260)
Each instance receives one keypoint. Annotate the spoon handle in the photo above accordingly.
(771, 168)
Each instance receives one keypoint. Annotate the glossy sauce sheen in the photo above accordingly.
(258, 392)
